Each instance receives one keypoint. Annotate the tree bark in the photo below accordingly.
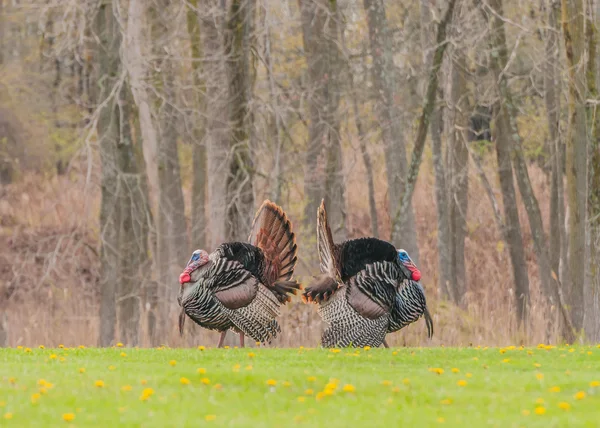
(380, 38)
(552, 90)
(446, 283)
(200, 178)
(424, 120)
(323, 154)
(109, 37)
(576, 153)
(217, 150)
(240, 193)
(591, 321)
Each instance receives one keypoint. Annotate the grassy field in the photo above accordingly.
(543, 386)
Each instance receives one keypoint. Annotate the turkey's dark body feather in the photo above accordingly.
(356, 254)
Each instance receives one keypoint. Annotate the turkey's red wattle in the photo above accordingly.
(416, 275)
(184, 278)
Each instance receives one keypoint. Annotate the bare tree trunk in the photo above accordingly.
(172, 242)
(552, 99)
(217, 149)
(109, 36)
(200, 178)
(576, 153)
(591, 320)
(424, 120)
(323, 153)
(404, 232)
(457, 174)
(446, 283)
(240, 194)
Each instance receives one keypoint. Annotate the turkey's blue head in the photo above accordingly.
(199, 258)
(405, 260)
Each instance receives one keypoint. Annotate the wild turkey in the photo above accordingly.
(240, 286)
(368, 289)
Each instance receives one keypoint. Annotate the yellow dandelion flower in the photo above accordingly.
(502, 351)
(441, 420)
(42, 347)
(386, 382)
(529, 352)
(437, 370)
(27, 350)
(184, 381)
(12, 380)
(119, 345)
(568, 372)
(205, 381)
(320, 396)
(201, 348)
(248, 368)
(406, 381)
(61, 346)
(366, 348)
(309, 392)
(251, 354)
(19, 347)
(580, 395)
(126, 388)
(594, 384)
(81, 347)
(311, 378)
(555, 389)
(172, 363)
(539, 376)
(564, 405)
(540, 410)
(146, 394)
(218, 386)
(123, 354)
(455, 370)
(111, 368)
(395, 353)
(201, 370)
(53, 357)
(62, 359)
(332, 386)
(589, 352)
(335, 351)
(43, 390)
(538, 365)
(446, 402)
(349, 388)
(462, 382)
(475, 359)
(287, 384)
(571, 350)
(511, 348)
(236, 368)
(525, 412)
(35, 397)
(301, 399)
(8, 416)
(469, 375)
(210, 418)
(143, 381)
(506, 360)
(271, 382)
(2, 403)
(68, 417)
(99, 384)
(226, 347)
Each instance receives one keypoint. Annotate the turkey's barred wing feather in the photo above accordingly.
(372, 291)
(349, 328)
(232, 285)
(248, 255)
(272, 233)
(326, 248)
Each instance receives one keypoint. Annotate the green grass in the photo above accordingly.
(394, 387)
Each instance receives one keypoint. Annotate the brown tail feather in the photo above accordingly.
(320, 290)
(272, 233)
(325, 244)
(283, 290)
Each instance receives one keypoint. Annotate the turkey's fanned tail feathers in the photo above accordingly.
(325, 244)
(321, 289)
(272, 233)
